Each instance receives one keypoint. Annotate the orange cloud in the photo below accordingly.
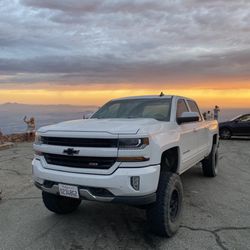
(206, 96)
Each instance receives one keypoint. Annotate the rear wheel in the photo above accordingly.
(164, 216)
(225, 134)
(210, 164)
(60, 204)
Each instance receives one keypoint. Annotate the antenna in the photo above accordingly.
(161, 94)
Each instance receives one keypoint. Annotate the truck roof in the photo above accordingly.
(149, 97)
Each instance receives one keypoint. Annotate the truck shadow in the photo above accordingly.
(111, 226)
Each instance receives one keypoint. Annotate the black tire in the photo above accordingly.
(210, 164)
(225, 134)
(164, 216)
(60, 204)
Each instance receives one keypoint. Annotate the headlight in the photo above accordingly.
(38, 139)
(133, 143)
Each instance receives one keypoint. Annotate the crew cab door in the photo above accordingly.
(201, 132)
(188, 140)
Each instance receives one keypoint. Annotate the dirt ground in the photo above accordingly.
(216, 210)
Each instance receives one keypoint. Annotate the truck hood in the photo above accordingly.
(112, 126)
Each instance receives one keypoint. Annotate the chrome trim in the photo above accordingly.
(53, 190)
(89, 196)
(84, 193)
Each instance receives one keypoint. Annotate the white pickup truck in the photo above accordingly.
(132, 150)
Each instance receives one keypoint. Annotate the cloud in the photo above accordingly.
(111, 41)
(96, 6)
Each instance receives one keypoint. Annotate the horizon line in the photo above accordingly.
(93, 105)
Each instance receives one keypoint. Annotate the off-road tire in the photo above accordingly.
(59, 204)
(210, 164)
(164, 216)
(225, 134)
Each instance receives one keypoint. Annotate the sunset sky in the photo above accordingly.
(87, 52)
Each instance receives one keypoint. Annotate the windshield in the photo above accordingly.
(158, 109)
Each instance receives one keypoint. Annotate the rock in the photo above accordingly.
(17, 137)
(6, 145)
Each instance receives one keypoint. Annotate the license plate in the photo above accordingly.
(68, 191)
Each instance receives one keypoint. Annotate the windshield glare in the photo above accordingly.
(158, 109)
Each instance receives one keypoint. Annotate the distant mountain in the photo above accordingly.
(12, 114)
(36, 107)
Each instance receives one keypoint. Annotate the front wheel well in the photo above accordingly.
(215, 139)
(170, 160)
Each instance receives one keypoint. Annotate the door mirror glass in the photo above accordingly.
(188, 117)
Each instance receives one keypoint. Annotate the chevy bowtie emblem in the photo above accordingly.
(71, 151)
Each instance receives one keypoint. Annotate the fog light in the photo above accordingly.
(135, 182)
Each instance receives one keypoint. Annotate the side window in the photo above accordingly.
(194, 108)
(244, 118)
(181, 107)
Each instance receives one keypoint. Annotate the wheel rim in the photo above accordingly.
(174, 205)
(225, 134)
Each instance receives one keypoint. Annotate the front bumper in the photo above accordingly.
(86, 194)
(118, 184)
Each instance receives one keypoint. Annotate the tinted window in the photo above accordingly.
(244, 118)
(113, 109)
(193, 107)
(158, 109)
(181, 107)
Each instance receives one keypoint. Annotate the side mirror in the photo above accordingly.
(87, 116)
(188, 117)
